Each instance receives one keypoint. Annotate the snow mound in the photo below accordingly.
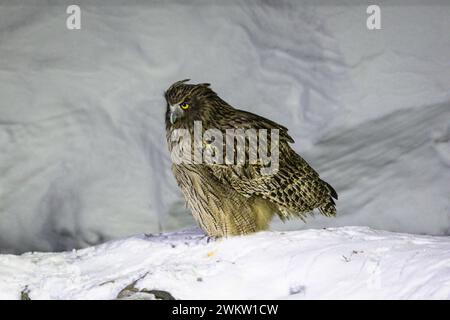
(338, 263)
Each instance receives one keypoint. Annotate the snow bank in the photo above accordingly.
(337, 263)
(82, 149)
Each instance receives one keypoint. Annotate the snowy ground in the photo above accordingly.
(83, 157)
(337, 263)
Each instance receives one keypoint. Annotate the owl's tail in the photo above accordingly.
(329, 208)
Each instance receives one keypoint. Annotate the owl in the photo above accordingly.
(237, 197)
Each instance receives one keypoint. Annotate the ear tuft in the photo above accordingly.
(182, 81)
(179, 82)
(174, 85)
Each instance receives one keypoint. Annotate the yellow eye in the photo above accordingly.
(184, 106)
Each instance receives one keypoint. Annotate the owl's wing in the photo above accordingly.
(295, 188)
(241, 119)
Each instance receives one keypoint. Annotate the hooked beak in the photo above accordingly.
(175, 113)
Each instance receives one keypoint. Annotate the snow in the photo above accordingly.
(393, 173)
(335, 263)
(83, 158)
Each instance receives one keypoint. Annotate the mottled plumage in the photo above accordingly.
(237, 199)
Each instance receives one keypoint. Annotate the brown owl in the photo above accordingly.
(236, 197)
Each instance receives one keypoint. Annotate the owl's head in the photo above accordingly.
(187, 102)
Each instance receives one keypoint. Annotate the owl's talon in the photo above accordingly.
(209, 238)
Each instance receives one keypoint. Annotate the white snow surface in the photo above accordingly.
(336, 263)
(83, 156)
